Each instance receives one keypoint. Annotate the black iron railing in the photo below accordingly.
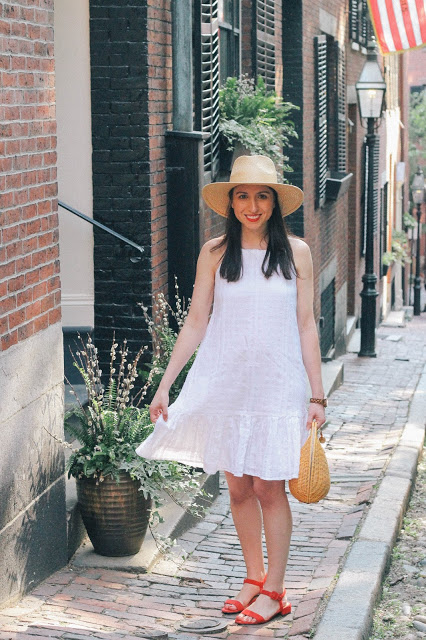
(95, 223)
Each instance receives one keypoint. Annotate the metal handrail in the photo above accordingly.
(95, 223)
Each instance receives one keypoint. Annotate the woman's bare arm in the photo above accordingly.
(193, 329)
(307, 328)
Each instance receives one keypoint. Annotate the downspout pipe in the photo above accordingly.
(182, 65)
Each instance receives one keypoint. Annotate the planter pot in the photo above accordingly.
(228, 156)
(115, 515)
(240, 150)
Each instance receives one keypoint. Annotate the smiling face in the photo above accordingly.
(253, 205)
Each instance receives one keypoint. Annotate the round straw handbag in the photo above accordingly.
(313, 482)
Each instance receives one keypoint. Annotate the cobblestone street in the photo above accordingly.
(366, 416)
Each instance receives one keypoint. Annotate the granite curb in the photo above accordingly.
(349, 611)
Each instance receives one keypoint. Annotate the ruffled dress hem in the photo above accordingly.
(223, 442)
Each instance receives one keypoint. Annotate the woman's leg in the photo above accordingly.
(247, 518)
(277, 522)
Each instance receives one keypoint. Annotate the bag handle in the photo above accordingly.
(317, 431)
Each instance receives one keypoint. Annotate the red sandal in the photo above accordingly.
(284, 609)
(237, 604)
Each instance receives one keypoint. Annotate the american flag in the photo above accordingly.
(399, 24)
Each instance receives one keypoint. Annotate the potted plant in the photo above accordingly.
(118, 491)
(254, 120)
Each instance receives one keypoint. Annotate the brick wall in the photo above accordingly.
(33, 533)
(121, 169)
(214, 224)
(332, 231)
(29, 264)
(160, 106)
(416, 67)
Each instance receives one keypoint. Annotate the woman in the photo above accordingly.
(242, 408)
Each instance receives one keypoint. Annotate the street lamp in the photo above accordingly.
(417, 191)
(370, 90)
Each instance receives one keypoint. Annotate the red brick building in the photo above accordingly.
(32, 485)
(148, 170)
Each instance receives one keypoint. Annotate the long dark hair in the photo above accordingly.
(278, 252)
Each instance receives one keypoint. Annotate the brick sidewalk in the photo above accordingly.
(366, 417)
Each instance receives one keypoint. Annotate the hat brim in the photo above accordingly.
(216, 196)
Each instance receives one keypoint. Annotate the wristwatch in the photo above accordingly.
(322, 401)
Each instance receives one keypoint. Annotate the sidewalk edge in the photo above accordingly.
(349, 612)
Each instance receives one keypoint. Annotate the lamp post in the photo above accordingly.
(417, 192)
(370, 90)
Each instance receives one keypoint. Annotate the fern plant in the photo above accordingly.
(113, 424)
(256, 118)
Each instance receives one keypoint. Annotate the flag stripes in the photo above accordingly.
(400, 25)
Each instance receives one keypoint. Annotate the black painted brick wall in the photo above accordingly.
(121, 170)
(293, 92)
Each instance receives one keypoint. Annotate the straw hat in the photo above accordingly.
(252, 170)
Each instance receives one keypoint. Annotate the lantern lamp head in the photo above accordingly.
(371, 87)
(418, 186)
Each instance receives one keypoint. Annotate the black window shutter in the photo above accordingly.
(376, 161)
(364, 19)
(360, 27)
(354, 21)
(210, 84)
(383, 223)
(265, 41)
(321, 118)
(341, 108)
(364, 202)
(364, 199)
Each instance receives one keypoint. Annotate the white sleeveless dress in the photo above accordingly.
(242, 407)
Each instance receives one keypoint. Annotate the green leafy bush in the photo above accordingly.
(399, 248)
(256, 118)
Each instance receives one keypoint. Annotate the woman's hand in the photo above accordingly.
(316, 412)
(159, 405)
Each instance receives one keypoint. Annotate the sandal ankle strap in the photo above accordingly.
(256, 583)
(274, 595)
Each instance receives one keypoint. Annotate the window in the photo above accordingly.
(360, 27)
(265, 42)
(229, 38)
(330, 120)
